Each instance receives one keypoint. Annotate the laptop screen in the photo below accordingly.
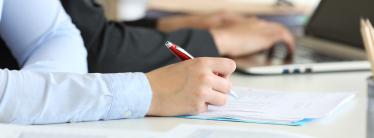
(339, 20)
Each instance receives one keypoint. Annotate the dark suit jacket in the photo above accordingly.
(115, 47)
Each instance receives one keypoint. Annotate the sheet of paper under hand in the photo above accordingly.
(275, 107)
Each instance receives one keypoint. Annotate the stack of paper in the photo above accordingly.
(283, 108)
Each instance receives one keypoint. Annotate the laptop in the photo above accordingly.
(332, 43)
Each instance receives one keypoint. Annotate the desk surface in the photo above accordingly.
(348, 122)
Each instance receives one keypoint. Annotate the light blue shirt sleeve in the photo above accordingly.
(41, 98)
(47, 46)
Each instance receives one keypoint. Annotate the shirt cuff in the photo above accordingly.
(132, 95)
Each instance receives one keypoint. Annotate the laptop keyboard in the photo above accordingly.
(304, 55)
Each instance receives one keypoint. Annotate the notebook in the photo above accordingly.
(276, 107)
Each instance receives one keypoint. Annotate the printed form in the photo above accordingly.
(275, 107)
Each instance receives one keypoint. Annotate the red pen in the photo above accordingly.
(184, 55)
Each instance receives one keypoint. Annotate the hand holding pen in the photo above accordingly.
(184, 55)
(188, 87)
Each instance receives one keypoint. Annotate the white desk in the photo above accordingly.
(348, 122)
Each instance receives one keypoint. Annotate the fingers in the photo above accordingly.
(216, 87)
(220, 66)
(223, 66)
(290, 41)
(282, 34)
(216, 98)
(220, 84)
(275, 33)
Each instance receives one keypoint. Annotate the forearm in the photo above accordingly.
(168, 24)
(173, 23)
(42, 98)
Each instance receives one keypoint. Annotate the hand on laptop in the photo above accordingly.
(234, 34)
(187, 87)
(250, 36)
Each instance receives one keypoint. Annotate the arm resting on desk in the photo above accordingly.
(41, 98)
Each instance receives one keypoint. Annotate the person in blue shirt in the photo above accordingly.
(53, 85)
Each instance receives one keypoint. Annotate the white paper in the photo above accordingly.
(272, 106)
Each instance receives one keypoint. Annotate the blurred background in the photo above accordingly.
(291, 13)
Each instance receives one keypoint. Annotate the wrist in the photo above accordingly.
(153, 108)
(162, 23)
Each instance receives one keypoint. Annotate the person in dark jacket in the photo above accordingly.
(120, 47)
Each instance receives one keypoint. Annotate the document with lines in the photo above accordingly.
(276, 107)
